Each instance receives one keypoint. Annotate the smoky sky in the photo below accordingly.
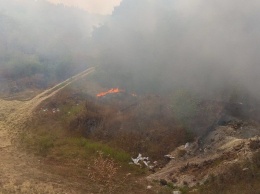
(200, 43)
(44, 36)
(92, 6)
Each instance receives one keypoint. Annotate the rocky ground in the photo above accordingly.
(225, 145)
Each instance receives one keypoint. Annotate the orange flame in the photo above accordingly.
(111, 91)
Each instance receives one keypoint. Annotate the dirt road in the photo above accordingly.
(20, 172)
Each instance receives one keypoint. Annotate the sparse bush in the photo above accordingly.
(256, 160)
(184, 189)
(170, 185)
(181, 153)
(90, 148)
(44, 145)
(254, 144)
(103, 172)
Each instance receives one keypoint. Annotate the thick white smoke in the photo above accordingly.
(199, 44)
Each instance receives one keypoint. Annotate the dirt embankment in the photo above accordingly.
(224, 146)
(20, 172)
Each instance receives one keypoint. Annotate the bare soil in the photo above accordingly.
(19, 171)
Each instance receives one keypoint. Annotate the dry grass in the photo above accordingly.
(69, 140)
(147, 128)
(104, 171)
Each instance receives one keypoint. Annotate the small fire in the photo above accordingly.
(111, 91)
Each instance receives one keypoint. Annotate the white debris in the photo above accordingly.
(155, 164)
(139, 156)
(55, 110)
(149, 187)
(187, 145)
(146, 163)
(135, 161)
(144, 160)
(169, 156)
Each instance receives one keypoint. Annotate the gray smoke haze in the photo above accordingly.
(202, 45)
(210, 47)
(43, 27)
(41, 43)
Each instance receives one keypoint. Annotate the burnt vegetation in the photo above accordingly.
(145, 127)
(167, 95)
(121, 125)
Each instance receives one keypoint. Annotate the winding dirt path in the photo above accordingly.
(20, 172)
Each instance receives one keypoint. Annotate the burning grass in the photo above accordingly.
(111, 91)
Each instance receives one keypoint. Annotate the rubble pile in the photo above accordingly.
(193, 163)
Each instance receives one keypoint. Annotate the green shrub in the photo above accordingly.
(45, 144)
(92, 148)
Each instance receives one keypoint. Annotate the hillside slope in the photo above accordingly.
(229, 144)
(20, 172)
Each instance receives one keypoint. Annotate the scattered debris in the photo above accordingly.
(145, 162)
(187, 145)
(194, 191)
(221, 148)
(169, 156)
(149, 187)
(54, 110)
(139, 158)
